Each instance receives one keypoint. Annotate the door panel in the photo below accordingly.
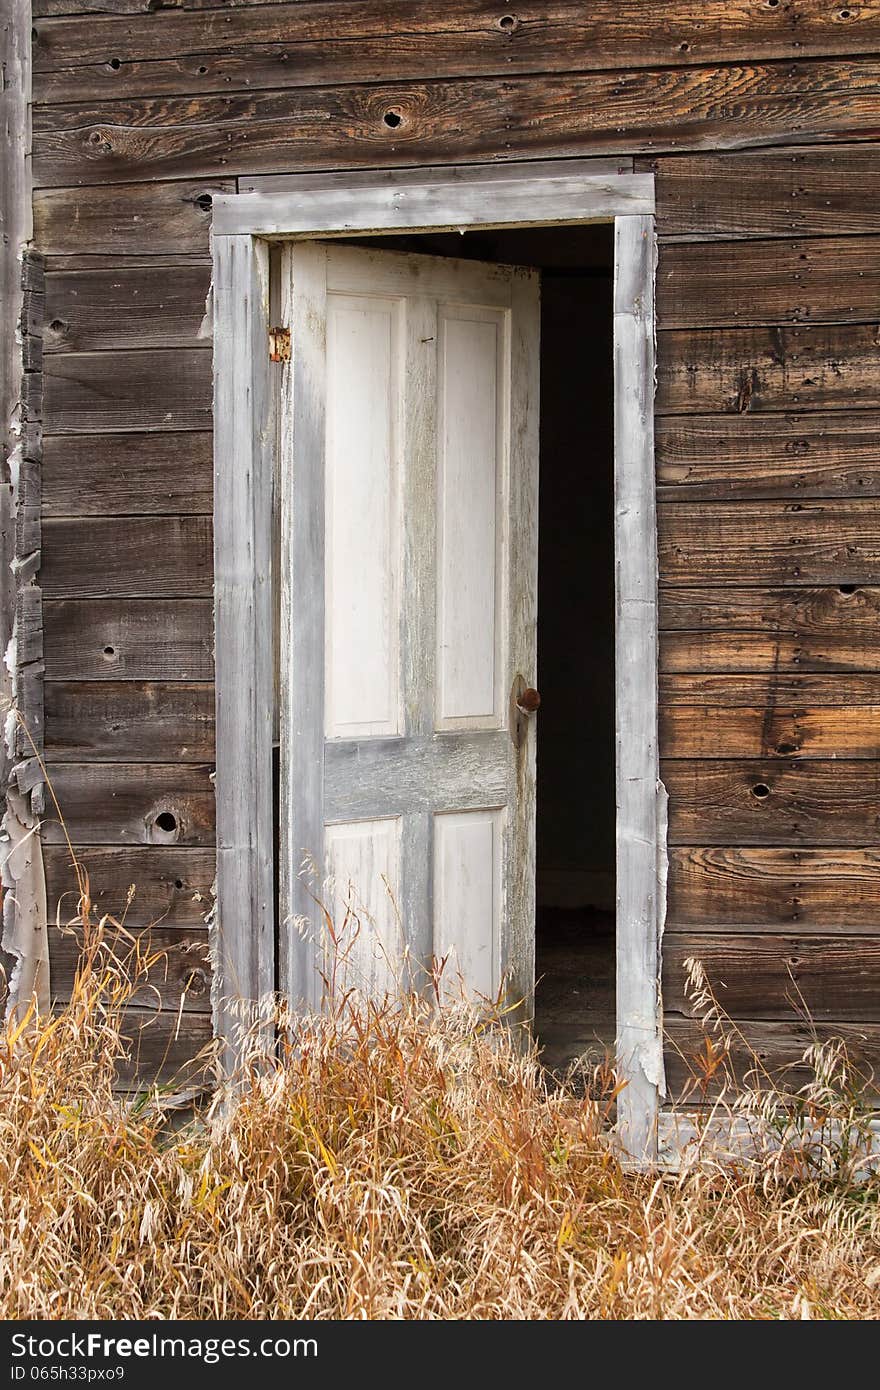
(361, 517)
(409, 570)
(468, 898)
(471, 515)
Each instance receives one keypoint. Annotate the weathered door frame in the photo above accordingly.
(313, 206)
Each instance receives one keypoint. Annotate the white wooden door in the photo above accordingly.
(409, 570)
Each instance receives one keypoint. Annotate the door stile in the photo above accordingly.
(302, 640)
(417, 610)
(521, 575)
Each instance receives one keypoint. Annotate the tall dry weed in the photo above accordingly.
(398, 1160)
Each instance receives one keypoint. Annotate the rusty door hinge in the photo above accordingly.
(279, 344)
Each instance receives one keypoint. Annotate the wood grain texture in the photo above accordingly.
(147, 306)
(640, 824)
(776, 1048)
(770, 802)
(100, 557)
(727, 457)
(127, 219)
(820, 280)
(127, 474)
(731, 371)
(771, 687)
(746, 889)
(760, 193)
(129, 721)
(530, 192)
(777, 631)
(447, 121)
(169, 965)
(174, 1051)
(172, 884)
(716, 731)
(833, 542)
(129, 639)
(149, 390)
(308, 44)
(772, 976)
(132, 803)
(243, 936)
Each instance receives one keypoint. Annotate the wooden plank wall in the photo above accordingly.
(760, 120)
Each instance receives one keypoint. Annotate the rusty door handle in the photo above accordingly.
(524, 701)
(529, 701)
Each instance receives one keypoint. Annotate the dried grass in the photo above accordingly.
(403, 1161)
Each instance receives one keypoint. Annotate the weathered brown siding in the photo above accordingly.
(761, 121)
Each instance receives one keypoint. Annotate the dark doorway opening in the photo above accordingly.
(575, 940)
(575, 928)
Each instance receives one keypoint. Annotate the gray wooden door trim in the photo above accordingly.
(244, 445)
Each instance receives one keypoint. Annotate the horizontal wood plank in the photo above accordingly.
(129, 639)
(851, 609)
(770, 542)
(308, 44)
(820, 280)
(123, 474)
(747, 889)
(167, 967)
(772, 802)
(796, 191)
(772, 976)
(127, 219)
(171, 883)
(167, 1049)
(769, 688)
(129, 721)
(131, 804)
(448, 121)
(101, 557)
(150, 390)
(716, 731)
(729, 457)
(734, 370)
(777, 655)
(767, 1052)
(141, 307)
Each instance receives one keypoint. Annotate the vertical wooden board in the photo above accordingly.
(468, 900)
(471, 506)
(244, 931)
(368, 954)
(303, 642)
(362, 523)
(640, 847)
